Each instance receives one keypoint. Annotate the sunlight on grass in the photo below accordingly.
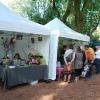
(47, 97)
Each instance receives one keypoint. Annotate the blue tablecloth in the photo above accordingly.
(1, 72)
(19, 75)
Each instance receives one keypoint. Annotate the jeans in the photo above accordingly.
(89, 73)
(97, 65)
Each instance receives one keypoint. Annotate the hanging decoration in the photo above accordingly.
(12, 40)
(32, 40)
(5, 43)
(19, 37)
(39, 38)
(8, 44)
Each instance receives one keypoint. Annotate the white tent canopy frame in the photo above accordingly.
(59, 29)
(65, 31)
(10, 21)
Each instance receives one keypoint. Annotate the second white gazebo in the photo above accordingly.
(59, 29)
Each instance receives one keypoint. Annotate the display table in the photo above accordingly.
(1, 72)
(20, 75)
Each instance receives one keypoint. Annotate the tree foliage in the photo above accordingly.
(81, 15)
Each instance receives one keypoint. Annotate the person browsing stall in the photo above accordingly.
(90, 56)
(69, 57)
(97, 60)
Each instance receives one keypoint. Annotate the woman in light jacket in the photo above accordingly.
(69, 56)
(78, 63)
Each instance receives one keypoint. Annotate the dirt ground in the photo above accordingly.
(56, 90)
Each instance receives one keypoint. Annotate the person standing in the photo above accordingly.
(69, 57)
(84, 56)
(78, 63)
(90, 55)
(97, 59)
(17, 59)
(63, 49)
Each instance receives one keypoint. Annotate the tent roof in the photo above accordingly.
(65, 31)
(9, 21)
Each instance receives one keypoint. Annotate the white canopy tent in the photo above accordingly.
(59, 29)
(10, 22)
(65, 31)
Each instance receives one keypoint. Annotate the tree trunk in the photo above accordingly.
(78, 16)
(67, 12)
(55, 8)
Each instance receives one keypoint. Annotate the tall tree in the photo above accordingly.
(81, 15)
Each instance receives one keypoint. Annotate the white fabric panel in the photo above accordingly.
(53, 56)
(65, 31)
(9, 21)
(60, 30)
(24, 47)
(43, 47)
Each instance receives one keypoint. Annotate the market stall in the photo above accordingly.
(59, 29)
(21, 36)
(19, 75)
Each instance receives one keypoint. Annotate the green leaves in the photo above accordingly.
(93, 1)
(82, 15)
